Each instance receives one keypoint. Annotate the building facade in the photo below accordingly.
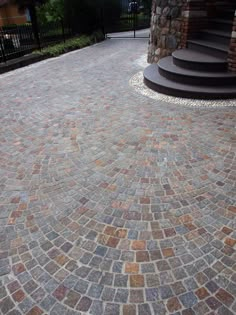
(9, 14)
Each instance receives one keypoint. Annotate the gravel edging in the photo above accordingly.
(137, 83)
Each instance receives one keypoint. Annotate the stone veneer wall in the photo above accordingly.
(187, 18)
(167, 35)
(232, 48)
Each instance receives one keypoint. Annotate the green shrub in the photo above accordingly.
(10, 27)
(71, 44)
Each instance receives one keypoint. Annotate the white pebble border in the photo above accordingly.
(137, 83)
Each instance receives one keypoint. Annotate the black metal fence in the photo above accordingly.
(16, 41)
(134, 15)
(126, 15)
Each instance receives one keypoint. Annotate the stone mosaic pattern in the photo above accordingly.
(112, 202)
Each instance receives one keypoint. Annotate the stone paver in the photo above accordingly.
(112, 202)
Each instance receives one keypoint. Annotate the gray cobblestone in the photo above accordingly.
(112, 202)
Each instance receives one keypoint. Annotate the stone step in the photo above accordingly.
(209, 47)
(225, 12)
(220, 24)
(169, 70)
(225, 4)
(154, 80)
(218, 36)
(194, 60)
(201, 70)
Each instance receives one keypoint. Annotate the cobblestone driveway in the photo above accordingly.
(111, 202)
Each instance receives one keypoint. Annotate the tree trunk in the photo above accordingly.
(33, 17)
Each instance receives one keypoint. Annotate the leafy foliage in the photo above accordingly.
(51, 11)
(71, 44)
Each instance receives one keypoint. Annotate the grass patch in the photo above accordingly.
(71, 44)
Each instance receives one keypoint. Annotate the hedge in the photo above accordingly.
(71, 44)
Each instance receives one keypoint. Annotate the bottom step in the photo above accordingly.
(156, 82)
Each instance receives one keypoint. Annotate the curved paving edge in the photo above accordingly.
(112, 202)
(137, 83)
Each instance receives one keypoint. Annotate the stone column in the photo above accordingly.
(173, 22)
(194, 19)
(232, 48)
(165, 36)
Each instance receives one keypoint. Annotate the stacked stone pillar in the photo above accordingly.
(166, 21)
(172, 23)
(232, 48)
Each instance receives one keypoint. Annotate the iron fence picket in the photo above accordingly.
(132, 17)
(2, 52)
(16, 41)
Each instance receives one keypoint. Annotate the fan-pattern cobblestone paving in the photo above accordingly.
(111, 202)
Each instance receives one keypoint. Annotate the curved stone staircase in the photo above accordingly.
(200, 70)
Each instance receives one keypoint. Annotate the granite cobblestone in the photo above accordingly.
(112, 202)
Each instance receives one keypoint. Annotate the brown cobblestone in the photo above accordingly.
(227, 230)
(168, 252)
(230, 241)
(131, 268)
(129, 310)
(225, 297)
(60, 292)
(138, 245)
(142, 256)
(61, 259)
(35, 311)
(112, 242)
(109, 230)
(18, 296)
(173, 304)
(13, 286)
(121, 233)
(18, 268)
(137, 281)
(232, 209)
(202, 293)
